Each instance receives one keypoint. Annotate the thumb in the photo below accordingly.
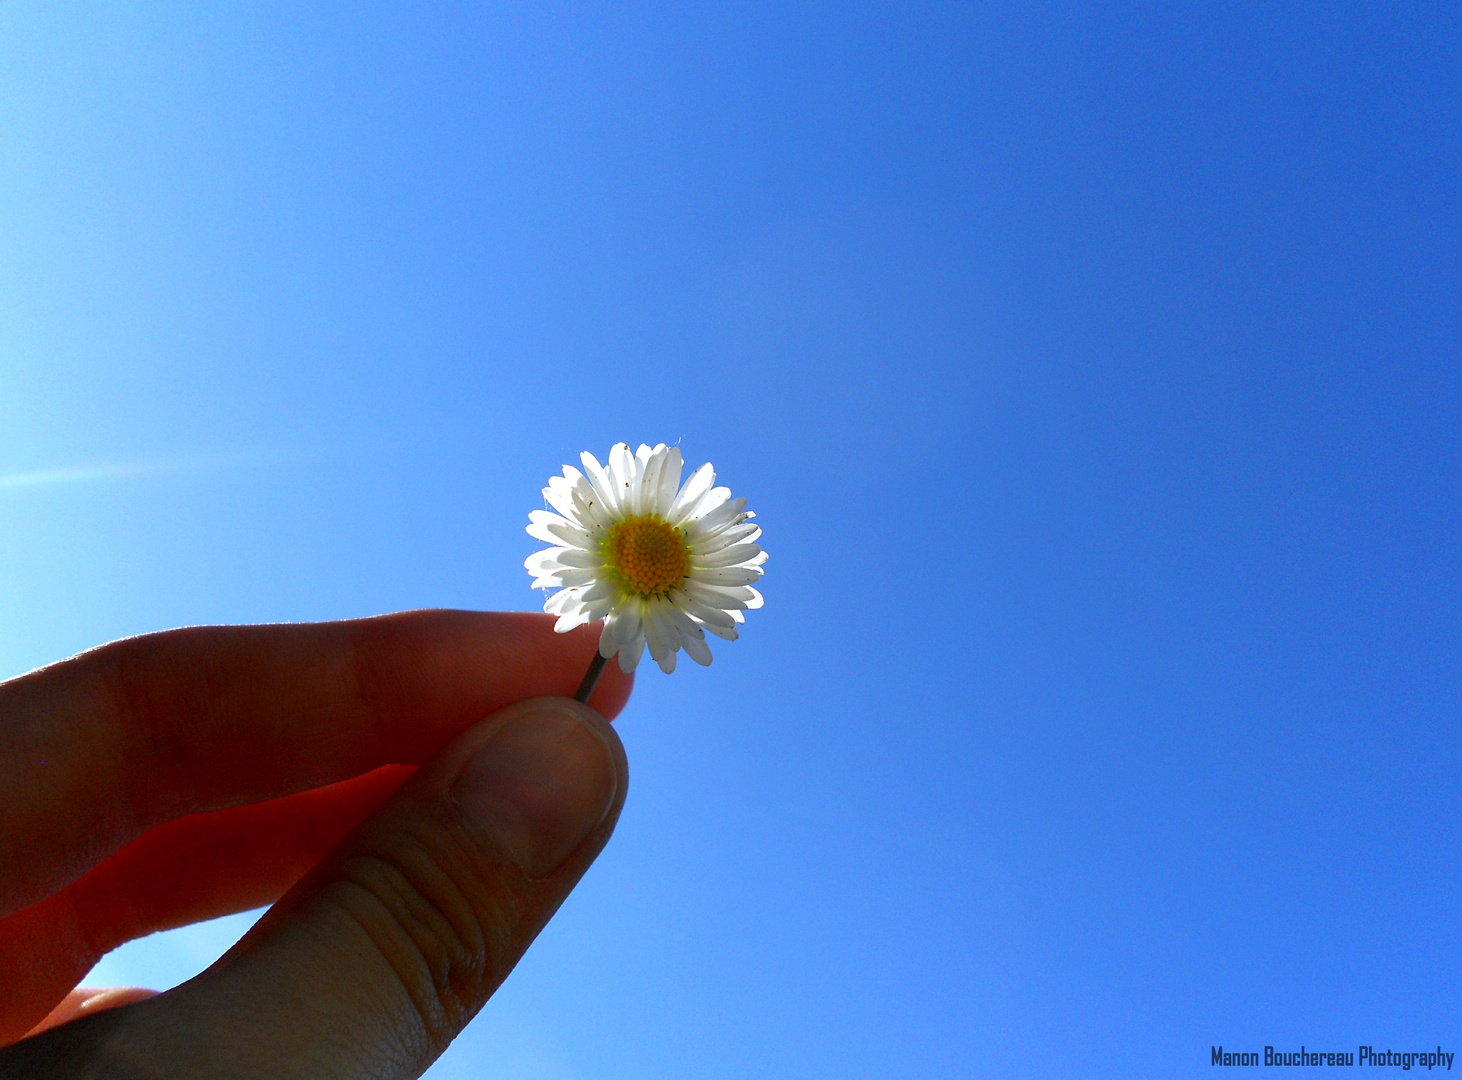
(372, 964)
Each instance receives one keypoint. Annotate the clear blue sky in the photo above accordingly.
(1093, 369)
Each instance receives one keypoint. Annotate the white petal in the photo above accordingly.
(559, 494)
(692, 510)
(629, 655)
(649, 486)
(599, 591)
(576, 577)
(620, 626)
(738, 615)
(728, 513)
(563, 535)
(600, 607)
(662, 637)
(543, 575)
(688, 627)
(582, 560)
(725, 633)
(715, 620)
(543, 560)
(601, 481)
(552, 529)
(654, 637)
(643, 457)
(726, 575)
(697, 650)
(709, 502)
(552, 560)
(590, 505)
(734, 555)
(539, 531)
(732, 534)
(756, 600)
(558, 603)
(699, 483)
(630, 498)
(669, 482)
(572, 536)
(623, 472)
(670, 618)
(724, 597)
(607, 645)
(571, 619)
(703, 613)
(630, 614)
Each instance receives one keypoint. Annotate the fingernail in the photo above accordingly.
(541, 783)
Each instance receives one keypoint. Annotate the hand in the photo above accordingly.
(166, 779)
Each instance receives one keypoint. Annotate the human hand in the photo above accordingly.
(180, 776)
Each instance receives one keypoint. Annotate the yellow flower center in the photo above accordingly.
(648, 553)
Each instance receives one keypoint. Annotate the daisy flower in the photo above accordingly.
(661, 562)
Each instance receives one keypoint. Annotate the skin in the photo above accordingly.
(413, 793)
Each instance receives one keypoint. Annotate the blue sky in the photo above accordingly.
(1093, 370)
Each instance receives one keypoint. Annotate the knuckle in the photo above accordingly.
(443, 933)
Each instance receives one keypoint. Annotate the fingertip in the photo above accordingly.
(539, 780)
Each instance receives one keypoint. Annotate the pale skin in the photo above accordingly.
(414, 794)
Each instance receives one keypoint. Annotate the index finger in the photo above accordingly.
(96, 749)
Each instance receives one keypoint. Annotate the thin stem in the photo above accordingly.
(596, 668)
